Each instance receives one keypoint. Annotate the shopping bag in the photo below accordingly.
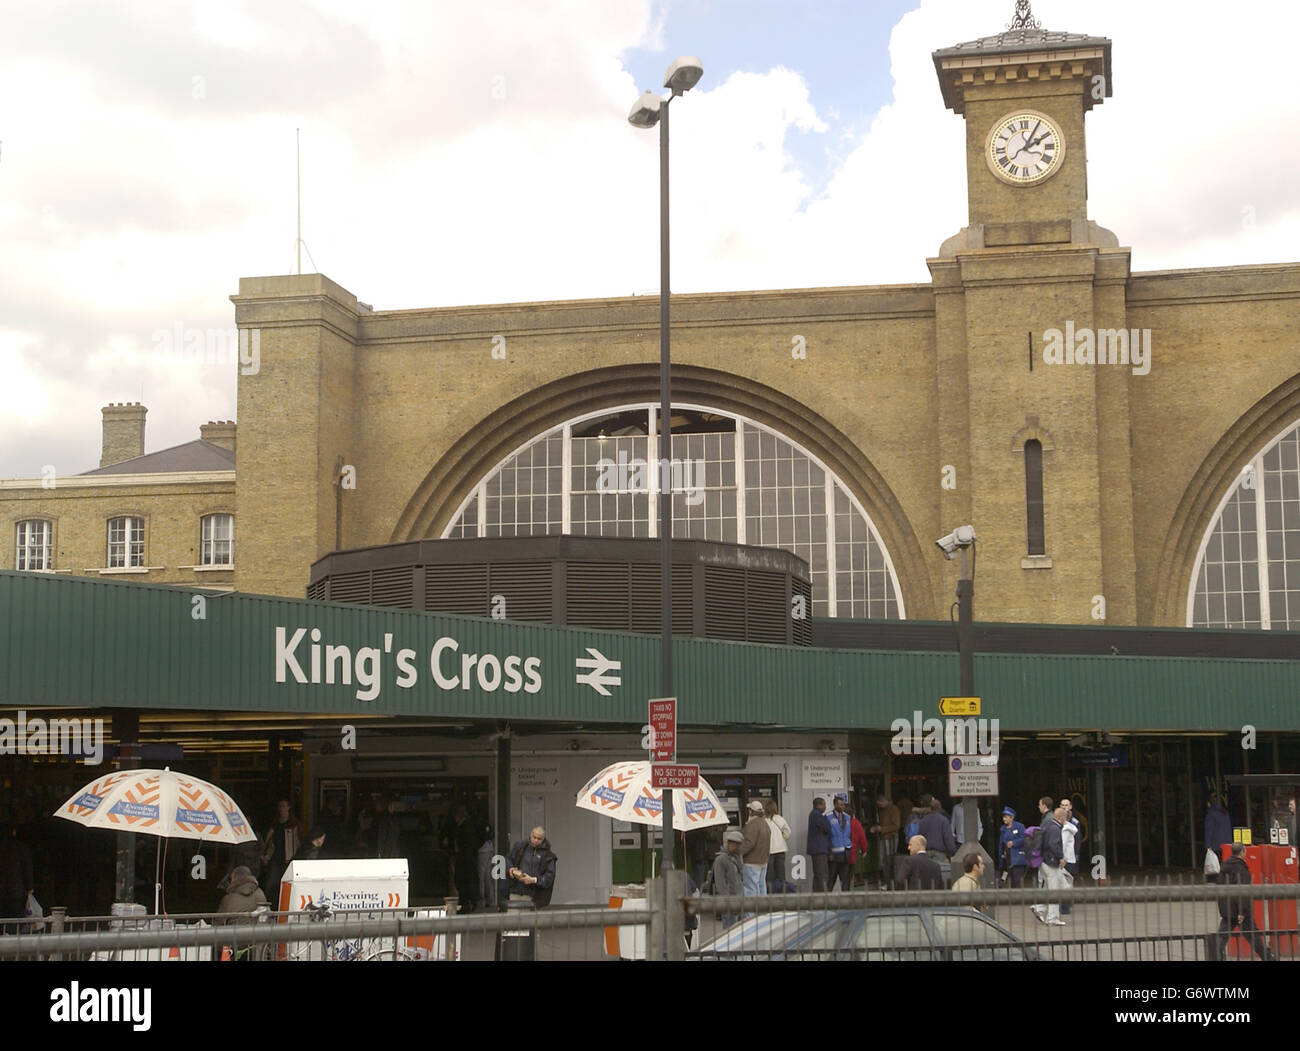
(1211, 863)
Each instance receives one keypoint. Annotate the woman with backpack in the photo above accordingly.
(1011, 848)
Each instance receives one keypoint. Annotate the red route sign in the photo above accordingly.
(663, 724)
(674, 775)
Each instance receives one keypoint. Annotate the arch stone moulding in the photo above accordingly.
(438, 497)
(1264, 421)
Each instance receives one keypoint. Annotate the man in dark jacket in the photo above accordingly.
(819, 843)
(918, 871)
(937, 830)
(1238, 912)
(1218, 825)
(532, 869)
(1052, 871)
(16, 876)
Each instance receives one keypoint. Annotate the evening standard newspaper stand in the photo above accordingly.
(354, 887)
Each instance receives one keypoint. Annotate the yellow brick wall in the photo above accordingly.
(171, 514)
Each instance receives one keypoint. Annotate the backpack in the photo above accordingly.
(913, 828)
(1033, 847)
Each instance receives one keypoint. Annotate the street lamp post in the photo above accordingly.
(649, 110)
(961, 539)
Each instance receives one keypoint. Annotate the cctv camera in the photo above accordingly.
(962, 536)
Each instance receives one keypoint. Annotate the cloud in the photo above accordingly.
(458, 154)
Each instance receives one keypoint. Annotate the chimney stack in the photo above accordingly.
(219, 432)
(123, 432)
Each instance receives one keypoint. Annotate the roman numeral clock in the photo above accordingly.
(1024, 148)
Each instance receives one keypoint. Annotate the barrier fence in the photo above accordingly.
(1152, 921)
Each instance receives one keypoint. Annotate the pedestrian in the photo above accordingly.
(388, 829)
(312, 847)
(1011, 848)
(1052, 870)
(840, 862)
(819, 844)
(780, 839)
(937, 830)
(1218, 825)
(1045, 808)
(858, 855)
(918, 871)
(1069, 841)
(727, 875)
(755, 850)
(487, 886)
(904, 804)
(886, 832)
(242, 896)
(463, 848)
(364, 842)
(973, 873)
(17, 878)
(959, 823)
(532, 870)
(1238, 912)
(278, 848)
(333, 821)
(697, 853)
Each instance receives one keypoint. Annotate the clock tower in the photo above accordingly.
(1038, 455)
(1024, 94)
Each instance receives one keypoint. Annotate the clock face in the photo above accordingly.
(1025, 148)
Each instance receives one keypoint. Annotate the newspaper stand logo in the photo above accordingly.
(699, 806)
(611, 793)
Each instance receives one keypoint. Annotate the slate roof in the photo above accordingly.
(198, 455)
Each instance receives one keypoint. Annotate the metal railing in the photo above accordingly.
(1150, 921)
(372, 935)
(1135, 922)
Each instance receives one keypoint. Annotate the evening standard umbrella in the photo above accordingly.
(158, 803)
(623, 792)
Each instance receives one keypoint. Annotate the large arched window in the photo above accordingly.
(733, 481)
(1248, 570)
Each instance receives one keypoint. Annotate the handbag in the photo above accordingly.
(1211, 863)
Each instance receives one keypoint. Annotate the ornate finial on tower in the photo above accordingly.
(1024, 18)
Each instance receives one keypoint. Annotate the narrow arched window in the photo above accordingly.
(1034, 495)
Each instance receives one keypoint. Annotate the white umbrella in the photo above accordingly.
(623, 792)
(158, 803)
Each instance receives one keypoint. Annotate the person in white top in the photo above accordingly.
(780, 844)
(1069, 839)
(959, 823)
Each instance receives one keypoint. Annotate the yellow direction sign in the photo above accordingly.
(959, 706)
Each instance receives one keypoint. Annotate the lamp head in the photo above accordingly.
(683, 74)
(645, 111)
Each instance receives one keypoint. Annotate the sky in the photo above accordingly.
(462, 153)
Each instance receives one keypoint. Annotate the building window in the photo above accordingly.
(33, 545)
(1034, 495)
(734, 481)
(1248, 572)
(218, 540)
(125, 543)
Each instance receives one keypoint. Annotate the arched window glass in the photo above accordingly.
(1248, 570)
(732, 480)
